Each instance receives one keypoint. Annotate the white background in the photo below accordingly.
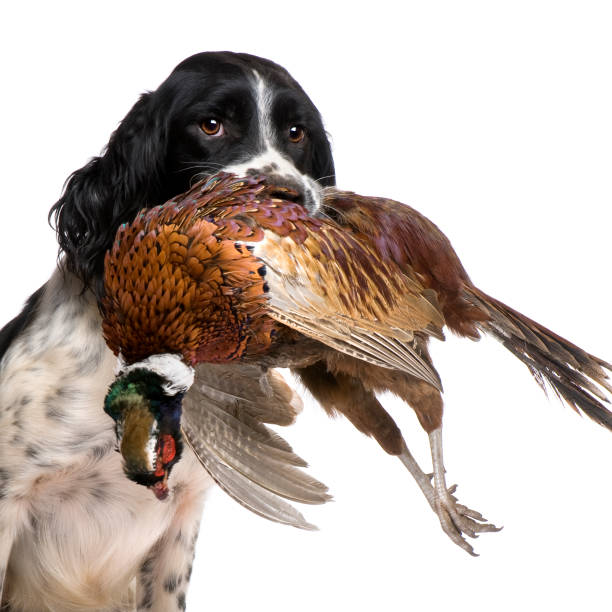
(495, 120)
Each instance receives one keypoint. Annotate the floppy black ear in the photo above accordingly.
(111, 189)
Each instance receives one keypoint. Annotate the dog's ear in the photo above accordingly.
(111, 189)
(323, 169)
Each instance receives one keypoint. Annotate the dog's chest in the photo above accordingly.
(88, 531)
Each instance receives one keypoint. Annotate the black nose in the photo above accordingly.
(286, 188)
(295, 190)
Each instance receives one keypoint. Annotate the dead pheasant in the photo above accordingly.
(235, 271)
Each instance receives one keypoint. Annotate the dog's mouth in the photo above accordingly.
(283, 177)
(284, 193)
(295, 191)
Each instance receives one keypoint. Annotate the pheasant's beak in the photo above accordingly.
(160, 488)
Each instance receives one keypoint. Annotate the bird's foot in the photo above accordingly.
(458, 520)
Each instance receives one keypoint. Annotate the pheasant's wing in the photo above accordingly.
(411, 241)
(322, 280)
(248, 392)
(223, 416)
(248, 494)
(332, 287)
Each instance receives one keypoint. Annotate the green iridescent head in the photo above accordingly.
(146, 405)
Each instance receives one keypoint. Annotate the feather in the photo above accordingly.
(374, 348)
(244, 491)
(262, 394)
(575, 376)
(222, 414)
(229, 441)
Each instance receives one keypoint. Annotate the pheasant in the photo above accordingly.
(237, 274)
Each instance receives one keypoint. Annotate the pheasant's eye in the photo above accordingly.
(212, 126)
(296, 133)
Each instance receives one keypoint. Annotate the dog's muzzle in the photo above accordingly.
(302, 189)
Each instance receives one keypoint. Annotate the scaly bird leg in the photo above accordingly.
(347, 385)
(456, 519)
(421, 478)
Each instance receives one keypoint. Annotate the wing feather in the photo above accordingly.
(244, 491)
(223, 422)
(261, 464)
(370, 316)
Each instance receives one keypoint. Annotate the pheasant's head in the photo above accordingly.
(145, 401)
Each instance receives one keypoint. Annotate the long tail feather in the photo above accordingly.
(577, 377)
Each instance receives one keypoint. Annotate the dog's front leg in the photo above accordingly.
(164, 574)
(6, 544)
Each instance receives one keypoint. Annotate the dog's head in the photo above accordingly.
(216, 111)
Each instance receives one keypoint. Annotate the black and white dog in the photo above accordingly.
(75, 533)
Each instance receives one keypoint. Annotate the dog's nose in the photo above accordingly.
(287, 188)
(295, 190)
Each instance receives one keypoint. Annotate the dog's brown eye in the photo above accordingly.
(212, 126)
(296, 133)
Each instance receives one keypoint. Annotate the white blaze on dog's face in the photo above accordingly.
(279, 166)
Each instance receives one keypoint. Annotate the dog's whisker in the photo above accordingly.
(205, 163)
(324, 178)
(204, 166)
(329, 192)
(321, 213)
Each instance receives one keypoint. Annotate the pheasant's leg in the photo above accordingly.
(347, 385)
(421, 478)
(456, 519)
(338, 391)
(344, 393)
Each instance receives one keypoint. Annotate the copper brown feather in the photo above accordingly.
(406, 237)
(348, 297)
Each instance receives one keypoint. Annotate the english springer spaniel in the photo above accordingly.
(75, 533)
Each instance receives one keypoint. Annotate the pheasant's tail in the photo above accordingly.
(577, 377)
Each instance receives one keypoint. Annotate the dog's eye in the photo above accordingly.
(212, 126)
(296, 133)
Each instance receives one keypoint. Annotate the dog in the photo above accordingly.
(75, 533)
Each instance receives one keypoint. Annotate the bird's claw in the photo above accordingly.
(458, 520)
